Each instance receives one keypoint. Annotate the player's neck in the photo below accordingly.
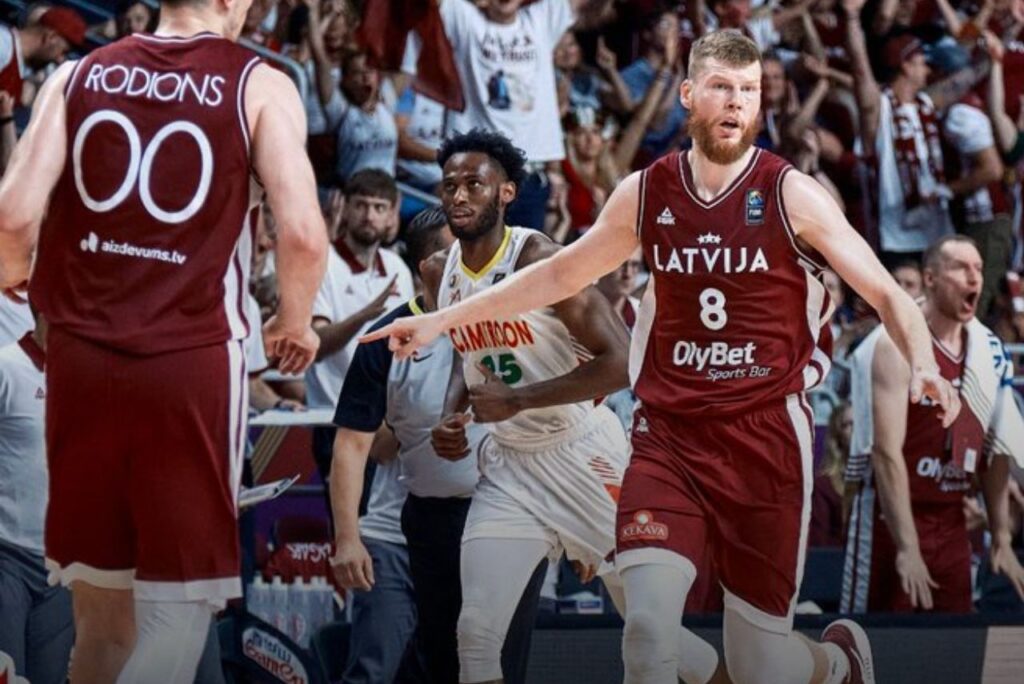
(187, 21)
(364, 254)
(478, 253)
(904, 90)
(948, 331)
(709, 178)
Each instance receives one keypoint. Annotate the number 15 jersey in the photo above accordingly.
(522, 350)
(736, 315)
(146, 246)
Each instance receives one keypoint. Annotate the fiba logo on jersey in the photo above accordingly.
(755, 207)
(91, 243)
(644, 527)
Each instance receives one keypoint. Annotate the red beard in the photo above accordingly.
(720, 152)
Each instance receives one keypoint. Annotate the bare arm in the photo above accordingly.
(784, 15)
(34, 169)
(278, 128)
(818, 221)
(590, 13)
(808, 110)
(890, 382)
(335, 335)
(867, 92)
(886, 15)
(812, 39)
(409, 147)
(948, 91)
(322, 64)
(607, 244)
(633, 135)
(351, 563)
(995, 485)
(953, 21)
(986, 167)
(592, 323)
(8, 134)
(1005, 130)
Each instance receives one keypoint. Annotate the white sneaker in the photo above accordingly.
(853, 641)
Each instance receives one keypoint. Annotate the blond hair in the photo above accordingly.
(728, 46)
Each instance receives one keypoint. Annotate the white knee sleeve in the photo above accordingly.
(654, 595)
(698, 659)
(754, 655)
(169, 642)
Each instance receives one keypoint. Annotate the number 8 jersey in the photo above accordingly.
(521, 350)
(736, 315)
(146, 245)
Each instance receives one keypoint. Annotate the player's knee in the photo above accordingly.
(649, 643)
(479, 639)
(103, 616)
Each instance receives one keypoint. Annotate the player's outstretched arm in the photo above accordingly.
(30, 177)
(819, 223)
(890, 381)
(278, 126)
(607, 244)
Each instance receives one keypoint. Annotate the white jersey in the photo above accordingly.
(522, 350)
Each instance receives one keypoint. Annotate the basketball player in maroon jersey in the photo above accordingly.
(730, 335)
(144, 162)
(908, 546)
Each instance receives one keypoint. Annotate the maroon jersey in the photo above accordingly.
(147, 243)
(737, 313)
(11, 81)
(934, 473)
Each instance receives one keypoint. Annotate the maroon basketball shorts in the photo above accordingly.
(145, 459)
(945, 548)
(737, 488)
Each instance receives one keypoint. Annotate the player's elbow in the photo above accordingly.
(13, 216)
(304, 237)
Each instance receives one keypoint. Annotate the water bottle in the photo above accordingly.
(278, 604)
(256, 603)
(299, 595)
(323, 601)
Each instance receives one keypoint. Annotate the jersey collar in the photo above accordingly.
(416, 305)
(33, 351)
(354, 265)
(499, 254)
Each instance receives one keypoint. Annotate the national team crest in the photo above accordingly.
(453, 280)
(755, 207)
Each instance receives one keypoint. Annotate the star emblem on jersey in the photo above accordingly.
(709, 239)
(665, 218)
(755, 207)
(643, 527)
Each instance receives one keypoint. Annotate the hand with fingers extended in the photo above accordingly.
(294, 346)
(604, 57)
(449, 437)
(408, 334)
(928, 383)
(352, 565)
(379, 304)
(915, 579)
(1005, 562)
(492, 401)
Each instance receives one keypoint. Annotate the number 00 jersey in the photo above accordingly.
(522, 350)
(737, 314)
(146, 246)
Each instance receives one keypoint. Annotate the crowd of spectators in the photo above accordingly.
(910, 113)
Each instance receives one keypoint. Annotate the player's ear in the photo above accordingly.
(686, 93)
(507, 192)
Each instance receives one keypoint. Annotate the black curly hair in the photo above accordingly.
(510, 158)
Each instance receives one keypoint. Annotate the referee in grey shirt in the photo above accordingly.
(409, 395)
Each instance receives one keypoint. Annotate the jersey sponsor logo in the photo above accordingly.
(644, 528)
(665, 218)
(92, 244)
(162, 86)
(721, 360)
(491, 335)
(755, 207)
(728, 260)
(948, 475)
(273, 656)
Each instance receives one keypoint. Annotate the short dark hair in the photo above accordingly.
(510, 158)
(906, 263)
(931, 256)
(372, 183)
(422, 235)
